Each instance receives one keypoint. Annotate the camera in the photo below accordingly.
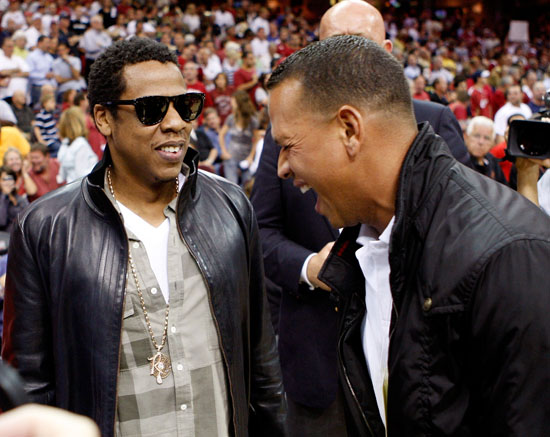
(531, 138)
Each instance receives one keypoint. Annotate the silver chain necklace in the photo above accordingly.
(160, 363)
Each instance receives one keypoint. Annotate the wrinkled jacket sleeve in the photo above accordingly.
(27, 341)
(511, 333)
(267, 403)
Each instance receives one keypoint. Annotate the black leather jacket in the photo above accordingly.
(65, 291)
(470, 332)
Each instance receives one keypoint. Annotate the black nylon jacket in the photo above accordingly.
(469, 350)
(67, 269)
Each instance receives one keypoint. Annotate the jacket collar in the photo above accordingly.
(426, 162)
(92, 185)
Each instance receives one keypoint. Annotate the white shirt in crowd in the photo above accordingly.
(75, 159)
(224, 19)
(15, 83)
(504, 113)
(17, 17)
(260, 22)
(213, 68)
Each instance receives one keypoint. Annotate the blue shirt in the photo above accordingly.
(40, 64)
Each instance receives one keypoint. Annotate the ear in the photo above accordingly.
(103, 119)
(387, 45)
(351, 122)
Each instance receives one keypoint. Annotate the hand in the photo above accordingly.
(50, 75)
(315, 264)
(528, 175)
(41, 421)
(225, 156)
(26, 167)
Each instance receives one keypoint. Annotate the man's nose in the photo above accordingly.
(283, 169)
(172, 120)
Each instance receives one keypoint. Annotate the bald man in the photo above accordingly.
(296, 241)
(357, 17)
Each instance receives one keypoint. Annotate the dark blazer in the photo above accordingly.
(290, 231)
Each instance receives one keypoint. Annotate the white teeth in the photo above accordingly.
(170, 149)
(304, 188)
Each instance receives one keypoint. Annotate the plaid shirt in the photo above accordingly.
(193, 399)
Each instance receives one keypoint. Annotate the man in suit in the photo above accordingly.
(296, 241)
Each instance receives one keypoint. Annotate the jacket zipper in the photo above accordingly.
(121, 318)
(215, 323)
(119, 352)
(391, 335)
(348, 382)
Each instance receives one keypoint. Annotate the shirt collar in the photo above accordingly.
(368, 233)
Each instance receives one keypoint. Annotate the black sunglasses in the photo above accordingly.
(151, 110)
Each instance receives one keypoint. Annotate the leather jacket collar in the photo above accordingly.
(92, 185)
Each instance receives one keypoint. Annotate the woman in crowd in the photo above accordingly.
(23, 182)
(221, 96)
(11, 203)
(238, 148)
(76, 157)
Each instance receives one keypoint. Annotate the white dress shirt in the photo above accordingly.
(373, 258)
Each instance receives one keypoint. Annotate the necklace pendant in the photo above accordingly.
(160, 366)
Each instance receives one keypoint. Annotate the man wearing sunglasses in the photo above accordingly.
(135, 296)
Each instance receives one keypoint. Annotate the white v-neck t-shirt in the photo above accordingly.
(155, 240)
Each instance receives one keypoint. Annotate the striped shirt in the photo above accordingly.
(193, 399)
(46, 122)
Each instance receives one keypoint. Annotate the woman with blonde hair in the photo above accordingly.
(75, 156)
(23, 182)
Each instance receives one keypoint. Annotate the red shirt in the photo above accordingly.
(499, 100)
(284, 50)
(422, 96)
(459, 110)
(95, 138)
(481, 103)
(222, 102)
(45, 182)
(243, 76)
(499, 151)
(199, 86)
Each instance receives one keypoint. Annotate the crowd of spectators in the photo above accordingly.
(226, 49)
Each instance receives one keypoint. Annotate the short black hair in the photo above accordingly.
(347, 69)
(9, 171)
(106, 81)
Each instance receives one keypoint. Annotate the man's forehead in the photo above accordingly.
(153, 78)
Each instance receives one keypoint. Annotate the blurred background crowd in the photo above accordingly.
(471, 58)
